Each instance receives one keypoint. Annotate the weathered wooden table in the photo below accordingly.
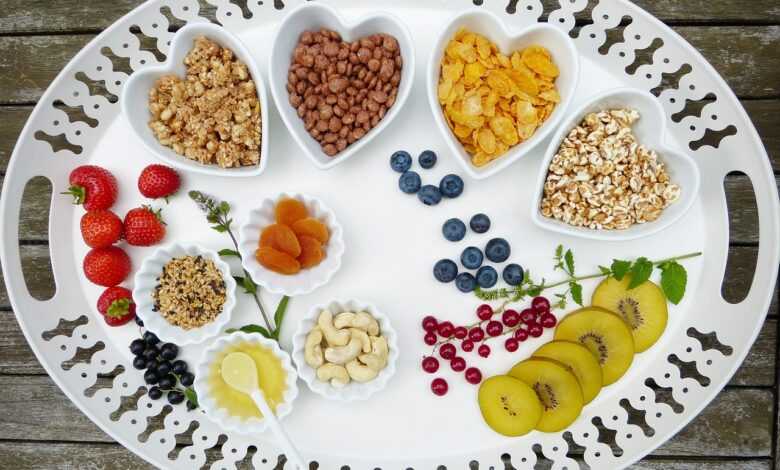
(41, 429)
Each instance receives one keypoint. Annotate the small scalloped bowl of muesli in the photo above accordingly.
(609, 174)
(184, 293)
(208, 115)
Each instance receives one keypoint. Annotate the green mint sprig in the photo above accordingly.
(218, 214)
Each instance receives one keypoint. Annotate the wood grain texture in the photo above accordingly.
(65, 456)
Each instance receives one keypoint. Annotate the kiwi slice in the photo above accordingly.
(578, 359)
(643, 308)
(605, 334)
(557, 389)
(509, 406)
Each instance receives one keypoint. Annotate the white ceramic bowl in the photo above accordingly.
(492, 27)
(209, 404)
(135, 98)
(307, 279)
(649, 131)
(353, 391)
(314, 16)
(146, 281)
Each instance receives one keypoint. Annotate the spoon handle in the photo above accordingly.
(289, 449)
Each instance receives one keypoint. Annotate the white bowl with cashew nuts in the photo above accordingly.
(345, 350)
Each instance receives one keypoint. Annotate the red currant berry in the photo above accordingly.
(460, 332)
(476, 334)
(511, 345)
(473, 375)
(445, 329)
(430, 339)
(548, 320)
(429, 323)
(521, 334)
(458, 364)
(484, 312)
(510, 318)
(535, 330)
(467, 345)
(528, 315)
(439, 386)
(447, 351)
(540, 304)
(430, 364)
(494, 328)
(483, 350)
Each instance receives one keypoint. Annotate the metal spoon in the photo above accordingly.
(240, 373)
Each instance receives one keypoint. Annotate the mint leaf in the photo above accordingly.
(281, 309)
(569, 258)
(674, 279)
(219, 228)
(192, 397)
(620, 268)
(605, 270)
(559, 251)
(576, 292)
(228, 252)
(640, 272)
(251, 329)
(249, 286)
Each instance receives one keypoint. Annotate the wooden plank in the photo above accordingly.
(664, 464)
(12, 120)
(34, 215)
(35, 261)
(65, 456)
(765, 115)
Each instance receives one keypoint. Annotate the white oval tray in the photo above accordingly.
(392, 243)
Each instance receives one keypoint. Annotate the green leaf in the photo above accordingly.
(674, 279)
(229, 252)
(249, 285)
(640, 272)
(224, 207)
(192, 397)
(558, 251)
(605, 270)
(256, 329)
(569, 258)
(281, 309)
(576, 292)
(219, 228)
(620, 268)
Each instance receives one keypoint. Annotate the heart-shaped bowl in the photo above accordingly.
(146, 280)
(353, 391)
(313, 17)
(307, 279)
(650, 131)
(209, 364)
(135, 98)
(492, 27)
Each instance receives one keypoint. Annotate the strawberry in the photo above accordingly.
(144, 226)
(116, 305)
(107, 266)
(158, 181)
(100, 228)
(92, 186)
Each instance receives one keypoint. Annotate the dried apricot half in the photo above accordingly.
(311, 252)
(312, 228)
(282, 238)
(289, 210)
(277, 261)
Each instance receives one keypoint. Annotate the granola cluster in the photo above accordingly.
(190, 292)
(212, 115)
(603, 179)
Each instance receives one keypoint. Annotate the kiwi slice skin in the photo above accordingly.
(605, 334)
(509, 406)
(643, 308)
(580, 361)
(557, 388)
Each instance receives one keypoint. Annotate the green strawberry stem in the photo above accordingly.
(119, 308)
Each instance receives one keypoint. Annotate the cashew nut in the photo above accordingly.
(333, 336)
(363, 337)
(344, 320)
(360, 373)
(336, 374)
(377, 360)
(312, 351)
(344, 354)
(366, 322)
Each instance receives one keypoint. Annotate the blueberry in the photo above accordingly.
(164, 368)
(513, 274)
(471, 258)
(429, 195)
(175, 397)
(465, 282)
(151, 338)
(167, 382)
(169, 351)
(480, 223)
(497, 250)
(150, 353)
(451, 186)
(445, 270)
(191, 406)
(151, 377)
(179, 367)
(401, 161)
(139, 362)
(487, 277)
(187, 379)
(138, 321)
(152, 365)
(454, 230)
(138, 346)
(427, 159)
(409, 182)
(155, 393)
